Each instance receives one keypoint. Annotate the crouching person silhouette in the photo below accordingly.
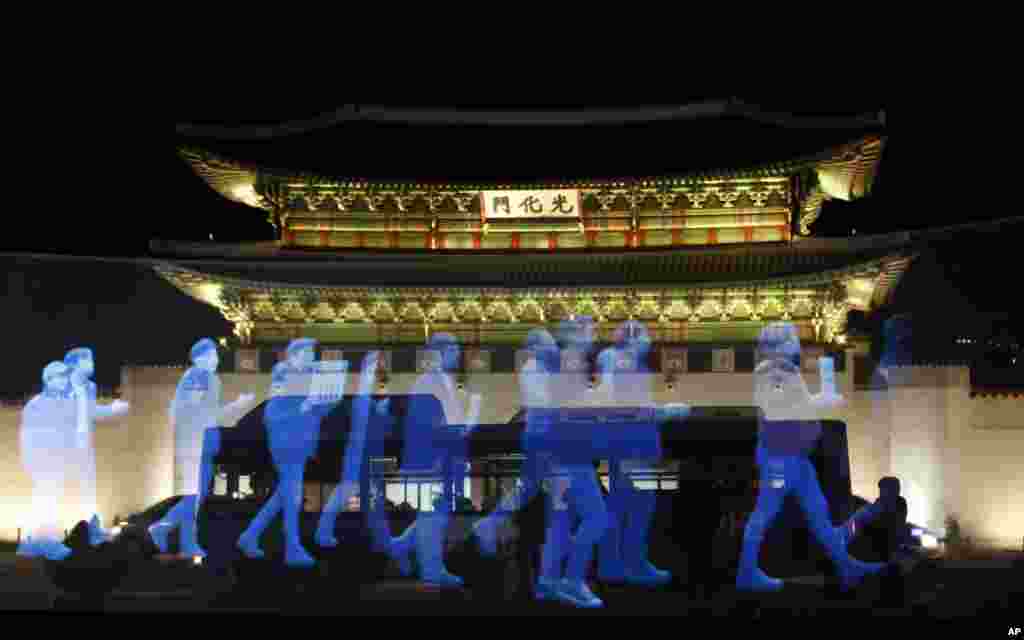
(423, 456)
(196, 407)
(48, 436)
(292, 420)
(83, 455)
(787, 434)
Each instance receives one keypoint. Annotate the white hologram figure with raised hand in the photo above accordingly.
(196, 407)
(354, 452)
(88, 411)
(48, 438)
(292, 418)
(788, 433)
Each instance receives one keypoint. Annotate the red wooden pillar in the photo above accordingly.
(552, 241)
(361, 239)
(323, 239)
(476, 240)
(441, 240)
(515, 240)
(641, 238)
(429, 243)
(591, 238)
(785, 232)
(712, 236)
(677, 236)
(289, 238)
(394, 240)
(748, 234)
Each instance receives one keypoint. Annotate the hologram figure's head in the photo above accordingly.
(204, 355)
(56, 378)
(779, 340)
(81, 363)
(302, 352)
(542, 345)
(632, 336)
(577, 334)
(447, 347)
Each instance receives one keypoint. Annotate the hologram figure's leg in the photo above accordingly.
(610, 562)
(291, 497)
(248, 542)
(429, 533)
(43, 455)
(588, 502)
(639, 508)
(557, 536)
(774, 485)
(808, 491)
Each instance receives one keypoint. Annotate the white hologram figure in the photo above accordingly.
(88, 411)
(48, 424)
(196, 407)
(354, 452)
(292, 418)
(625, 381)
(788, 433)
(422, 456)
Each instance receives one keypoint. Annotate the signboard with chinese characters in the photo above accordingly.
(723, 361)
(247, 361)
(478, 361)
(546, 203)
(673, 361)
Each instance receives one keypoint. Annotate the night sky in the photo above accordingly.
(128, 314)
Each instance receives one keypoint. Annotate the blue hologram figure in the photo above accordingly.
(48, 439)
(536, 375)
(354, 453)
(423, 456)
(292, 418)
(625, 381)
(575, 494)
(787, 434)
(196, 407)
(81, 363)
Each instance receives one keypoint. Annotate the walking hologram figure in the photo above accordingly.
(536, 375)
(195, 408)
(83, 456)
(292, 418)
(48, 438)
(625, 381)
(788, 432)
(425, 455)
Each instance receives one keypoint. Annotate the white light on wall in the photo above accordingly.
(929, 541)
